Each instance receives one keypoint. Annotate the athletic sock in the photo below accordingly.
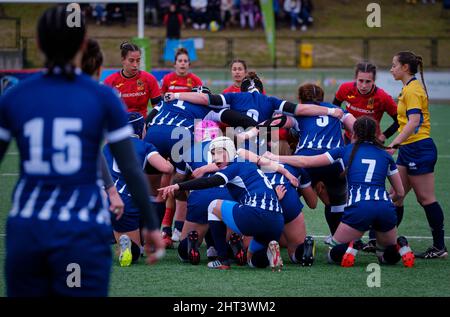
(259, 259)
(435, 218)
(219, 231)
(399, 210)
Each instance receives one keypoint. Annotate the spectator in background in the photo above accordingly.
(292, 8)
(248, 12)
(226, 12)
(173, 20)
(305, 17)
(163, 7)
(184, 7)
(151, 12)
(99, 12)
(213, 10)
(198, 14)
(116, 13)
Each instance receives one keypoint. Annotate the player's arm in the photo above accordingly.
(413, 123)
(268, 165)
(398, 192)
(125, 155)
(300, 161)
(308, 110)
(195, 184)
(348, 120)
(392, 128)
(309, 196)
(192, 97)
(231, 118)
(337, 102)
(157, 161)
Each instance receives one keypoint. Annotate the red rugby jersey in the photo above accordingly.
(232, 88)
(374, 104)
(135, 91)
(174, 83)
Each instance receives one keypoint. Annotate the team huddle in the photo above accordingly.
(228, 169)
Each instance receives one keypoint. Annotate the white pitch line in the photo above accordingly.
(9, 174)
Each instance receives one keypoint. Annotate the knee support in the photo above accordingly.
(211, 215)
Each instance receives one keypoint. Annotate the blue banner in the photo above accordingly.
(173, 45)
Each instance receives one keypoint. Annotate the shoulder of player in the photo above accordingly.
(110, 79)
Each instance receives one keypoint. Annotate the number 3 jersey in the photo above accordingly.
(367, 174)
(59, 125)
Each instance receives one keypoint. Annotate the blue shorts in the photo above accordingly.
(264, 226)
(161, 137)
(291, 204)
(371, 214)
(130, 219)
(39, 257)
(199, 200)
(418, 157)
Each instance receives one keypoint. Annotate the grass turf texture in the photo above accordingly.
(171, 278)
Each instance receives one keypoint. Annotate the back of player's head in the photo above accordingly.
(136, 120)
(226, 143)
(127, 47)
(92, 58)
(181, 51)
(202, 89)
(252, 83)
(365, 129)
(310, 93)
(59, 41)
(205, 130)
(365, 67)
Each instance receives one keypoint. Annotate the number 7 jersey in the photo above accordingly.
(367, 174)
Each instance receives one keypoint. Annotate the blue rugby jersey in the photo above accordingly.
(249, 186)
(253, 104)
(319, 132)
(59, 125)
(367, 174)
(143, 149)
(279, 179)
(180, 113)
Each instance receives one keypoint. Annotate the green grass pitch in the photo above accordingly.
(170, 278)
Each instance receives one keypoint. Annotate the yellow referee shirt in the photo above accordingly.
(411, 100)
